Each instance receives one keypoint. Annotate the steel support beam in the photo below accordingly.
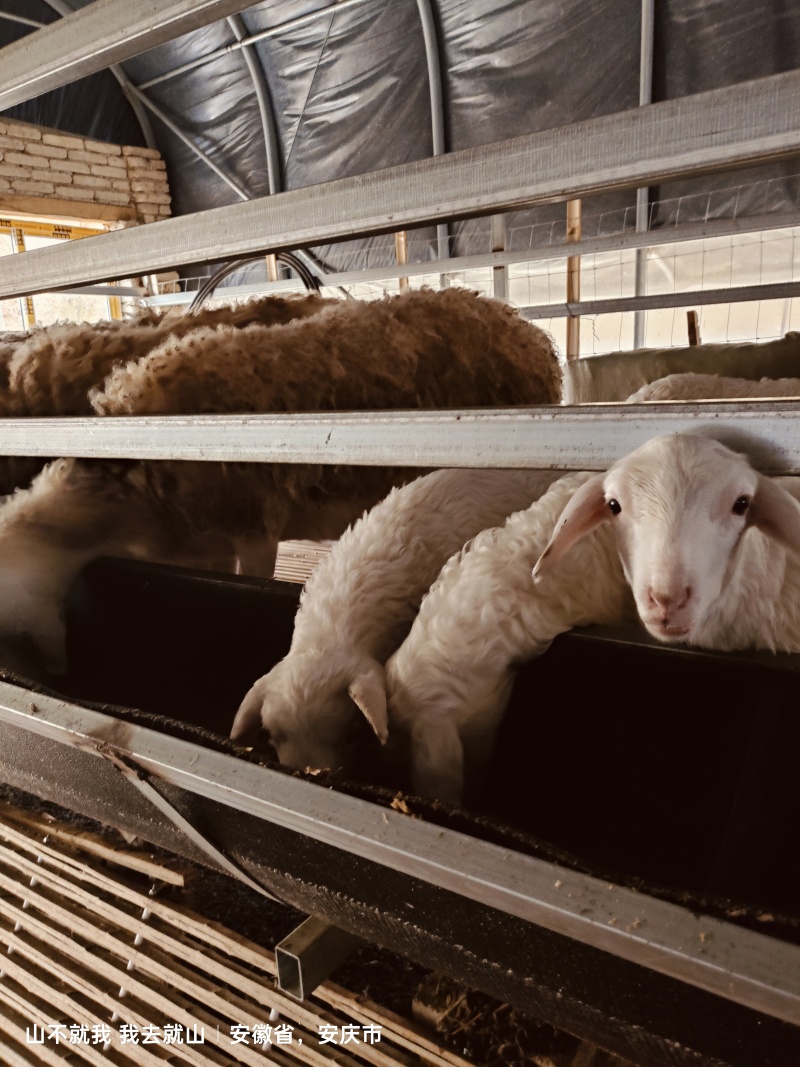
(105, 32)
(436, 91)
(737, 294)
(182, 136)
(274, 31)
(739, 125)
(34, 23)
(265, 108)
(619, 242)
(309, 954)
(140, 103)
(643, 195)
(590, 436)
(696, 231)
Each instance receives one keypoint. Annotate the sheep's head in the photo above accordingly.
(311, 709)
(679, 507)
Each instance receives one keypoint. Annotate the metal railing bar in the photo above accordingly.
(742, 124)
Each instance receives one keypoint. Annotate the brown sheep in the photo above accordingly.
(422, 349)
(51, 370)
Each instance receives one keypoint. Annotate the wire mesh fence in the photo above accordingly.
(744, 255)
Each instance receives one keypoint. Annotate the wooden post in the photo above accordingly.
(26, 303)
(573, 279)
(499, 274)
(401, 253)
(693, 321)
(272, 267)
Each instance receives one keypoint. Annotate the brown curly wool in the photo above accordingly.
(52, 371)
(423, 349)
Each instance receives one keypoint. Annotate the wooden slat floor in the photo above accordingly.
(297, 559)
(90, 961)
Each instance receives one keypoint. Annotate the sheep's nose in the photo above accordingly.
(669, 601)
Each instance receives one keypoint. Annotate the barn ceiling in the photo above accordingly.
(336, 89)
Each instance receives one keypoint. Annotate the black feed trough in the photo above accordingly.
(627, 868)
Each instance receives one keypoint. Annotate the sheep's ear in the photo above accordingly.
(586, 509)
(776, 512)
(248, 718)
(368, 691)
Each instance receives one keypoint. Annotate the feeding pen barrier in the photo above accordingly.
(659, 976)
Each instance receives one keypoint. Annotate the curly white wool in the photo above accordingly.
(682, 531)
(359, 603)
(713, 387)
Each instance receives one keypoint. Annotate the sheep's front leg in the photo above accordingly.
(257, 556)
(437, 760)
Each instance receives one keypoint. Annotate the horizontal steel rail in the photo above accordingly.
(621, 242)
(105, 32)
(590, 436)
(688, 298)
(738, 964)
(739, 125)
(459, 264)
(617, 242)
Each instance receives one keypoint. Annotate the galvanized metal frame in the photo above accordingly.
(738, 964)
(190, 143)
(141, 104)
(274, 31)
(735, 126)
(739, 125)
(736, 294)
(124, 82)
(461, 264)
(265, 108)
(588, 437)
(309, 954)
(436, 92)
(646, 50)
(620, 242)
(93, 38)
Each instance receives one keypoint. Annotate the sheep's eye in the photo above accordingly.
(614, 506)
(741, 505)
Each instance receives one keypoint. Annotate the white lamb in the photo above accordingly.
(358, 605)
(713, 387)
(682, 530)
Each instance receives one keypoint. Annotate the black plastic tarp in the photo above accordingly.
(349, 94)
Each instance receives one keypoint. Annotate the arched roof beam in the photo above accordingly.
(139, 101)
(267, 112)
(262, 35)
(22, 20)
(265, 108)
(431, 39)
(185, 139)
(434, 76)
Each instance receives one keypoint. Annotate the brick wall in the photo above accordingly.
(50, 173)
